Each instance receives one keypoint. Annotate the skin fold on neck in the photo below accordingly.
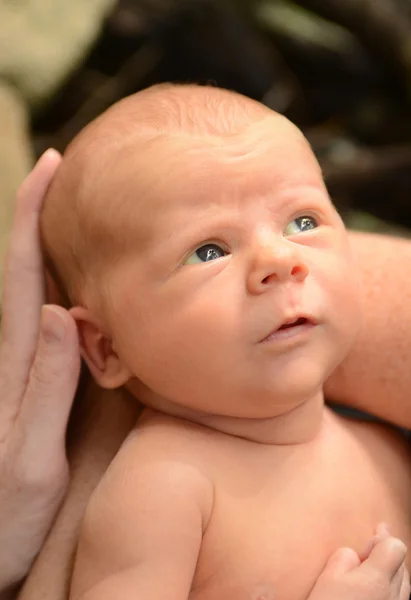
(298, 425)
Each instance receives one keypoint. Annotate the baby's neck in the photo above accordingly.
(299, 425)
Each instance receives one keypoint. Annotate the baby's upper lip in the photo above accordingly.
(293, 320)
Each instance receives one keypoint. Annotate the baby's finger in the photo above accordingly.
(23, 277)
(381, 533)
(342, 561)
(52, 385)
(386, 557)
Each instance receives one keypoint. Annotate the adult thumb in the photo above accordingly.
(52, 383)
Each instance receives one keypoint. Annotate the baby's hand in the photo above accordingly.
(378, 574)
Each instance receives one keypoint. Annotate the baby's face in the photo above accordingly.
(239, 296)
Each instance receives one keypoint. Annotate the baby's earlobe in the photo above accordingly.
(97, 350)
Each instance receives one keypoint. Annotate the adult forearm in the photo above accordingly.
(376, 375)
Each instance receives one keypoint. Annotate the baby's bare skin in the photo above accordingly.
(196, 343)
(271, 515)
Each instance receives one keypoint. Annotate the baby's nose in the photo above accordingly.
(274, 263)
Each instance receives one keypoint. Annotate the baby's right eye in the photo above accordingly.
(205, 254)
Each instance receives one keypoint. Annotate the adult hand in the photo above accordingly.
(39, 369)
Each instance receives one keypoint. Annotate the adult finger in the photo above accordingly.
(23, 276)
(51, 388)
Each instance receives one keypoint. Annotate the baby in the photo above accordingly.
(210, 275)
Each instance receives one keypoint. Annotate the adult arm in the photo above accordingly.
(376, 375)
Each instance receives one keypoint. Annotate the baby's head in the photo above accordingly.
(204, 262)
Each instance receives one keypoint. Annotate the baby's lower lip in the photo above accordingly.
(290, 332)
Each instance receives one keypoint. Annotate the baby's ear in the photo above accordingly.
(97, 350)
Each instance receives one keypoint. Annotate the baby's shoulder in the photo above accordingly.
(160, 434)
(151, 482)
(154, 467)
(162, 453)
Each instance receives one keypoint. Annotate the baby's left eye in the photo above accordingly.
(205, 254)
(300, 224)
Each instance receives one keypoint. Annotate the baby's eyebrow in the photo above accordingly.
(312, 188)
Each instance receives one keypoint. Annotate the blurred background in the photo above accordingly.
(340, 69)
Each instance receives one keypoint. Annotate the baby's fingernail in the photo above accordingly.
(52, 326)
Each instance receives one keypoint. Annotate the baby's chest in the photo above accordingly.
(271, 539)
(261, 550)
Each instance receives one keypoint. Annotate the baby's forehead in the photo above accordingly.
(127, 153)
(146, 145)
(130, 175)
(273, 143)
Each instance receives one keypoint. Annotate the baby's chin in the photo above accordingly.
(261, 392)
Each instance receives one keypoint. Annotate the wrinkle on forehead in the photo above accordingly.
(194, 170)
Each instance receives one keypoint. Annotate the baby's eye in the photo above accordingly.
(300, 224)
(204, 254)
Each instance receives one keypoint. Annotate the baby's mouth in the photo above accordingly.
(295, 326)
(299, 321)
